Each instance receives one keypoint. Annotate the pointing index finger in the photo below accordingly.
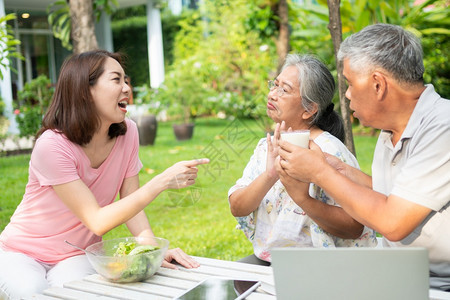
(196, 162)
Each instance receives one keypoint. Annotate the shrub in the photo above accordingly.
(2, 106)
(33, 101)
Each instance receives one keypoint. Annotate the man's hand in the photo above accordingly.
(300, 163)
(298, 190)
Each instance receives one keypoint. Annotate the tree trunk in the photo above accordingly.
(283, 37)
(335, 28)
(83, 29)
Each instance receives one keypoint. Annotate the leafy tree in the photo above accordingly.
(437, 63)
(335, 28)
(69, 25)
(429, 20)
(82, 29)
(8, 44)
(8, 50)
(429, 17)
(59, 20)
(228, 62)
(270, 18)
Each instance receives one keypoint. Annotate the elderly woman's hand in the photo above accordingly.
(298, 190)
(272, 150)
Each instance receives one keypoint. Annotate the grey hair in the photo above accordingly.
(317, 87)
(316, 82)
(387, 46)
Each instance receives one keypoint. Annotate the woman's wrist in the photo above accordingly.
(148, 233)
(270, 177)
(156, 185)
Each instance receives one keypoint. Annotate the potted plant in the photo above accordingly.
(183, 97)
(181, 108)
(143, 110)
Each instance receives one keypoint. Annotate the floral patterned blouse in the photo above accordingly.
(279, 221)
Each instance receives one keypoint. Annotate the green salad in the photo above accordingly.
(130, 248)
(139, 265)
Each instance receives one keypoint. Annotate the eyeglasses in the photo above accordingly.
(273, 85)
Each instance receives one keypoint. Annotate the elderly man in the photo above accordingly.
(407, 198)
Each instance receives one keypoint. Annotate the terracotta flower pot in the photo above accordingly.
(147, 127)
(183, 131)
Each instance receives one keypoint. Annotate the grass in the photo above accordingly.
(196, 219)
(364, 146)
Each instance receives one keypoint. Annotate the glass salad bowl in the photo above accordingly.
(128, 259)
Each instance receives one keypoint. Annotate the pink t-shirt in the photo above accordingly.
(42, 221)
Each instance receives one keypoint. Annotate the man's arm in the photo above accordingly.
(332, 219)
(348, 171)
(393, 217)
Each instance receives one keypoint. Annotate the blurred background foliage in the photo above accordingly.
(32, 104)
(221, 55)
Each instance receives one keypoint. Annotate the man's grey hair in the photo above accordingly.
(385, 46)
(316, 82)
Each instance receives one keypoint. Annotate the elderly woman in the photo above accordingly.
(274, 210)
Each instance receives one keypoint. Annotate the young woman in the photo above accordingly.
(86, 153)
(272, 209)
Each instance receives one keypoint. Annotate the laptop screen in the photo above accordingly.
(351, 273)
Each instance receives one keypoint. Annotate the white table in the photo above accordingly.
(166, 283)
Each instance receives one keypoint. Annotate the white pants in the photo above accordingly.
(23, 276)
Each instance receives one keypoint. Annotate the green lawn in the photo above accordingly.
(196, 219)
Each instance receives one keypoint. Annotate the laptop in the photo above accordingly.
(351, 273)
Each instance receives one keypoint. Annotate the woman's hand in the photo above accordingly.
(180, 257)
(298, 190)
(182, 174)
(273, 149)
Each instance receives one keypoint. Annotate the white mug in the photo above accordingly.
(297, 137)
